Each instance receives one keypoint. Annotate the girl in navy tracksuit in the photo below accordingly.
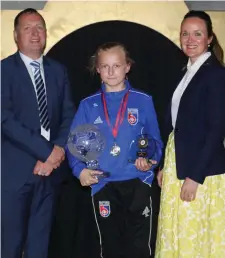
(122, 202)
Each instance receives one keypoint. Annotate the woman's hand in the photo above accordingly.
(89, 177)
(160, 178)
(188, 190)
(143, 165)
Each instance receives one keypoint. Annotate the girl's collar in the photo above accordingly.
(127, 87)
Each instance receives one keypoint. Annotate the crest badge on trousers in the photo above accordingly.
(104, 208)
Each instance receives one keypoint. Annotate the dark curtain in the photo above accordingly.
(158, 63)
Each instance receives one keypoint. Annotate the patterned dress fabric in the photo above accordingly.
(190, 229)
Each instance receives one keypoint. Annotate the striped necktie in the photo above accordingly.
(41, 96)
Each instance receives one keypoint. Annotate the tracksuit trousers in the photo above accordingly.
(123, 213)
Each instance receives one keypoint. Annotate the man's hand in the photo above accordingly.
(143, 165)
(88, 177)
(53, 162)
(43, 169)
(57, 156)
(188, 190)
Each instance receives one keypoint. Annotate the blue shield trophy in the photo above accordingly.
(86, 142)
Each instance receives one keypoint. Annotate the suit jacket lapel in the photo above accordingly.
(198, 75)
(210, 61)
(26, 83)
(24, 76)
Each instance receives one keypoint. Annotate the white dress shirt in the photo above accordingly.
(27, 60)
(191, 71)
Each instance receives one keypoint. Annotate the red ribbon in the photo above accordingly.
(120, 114)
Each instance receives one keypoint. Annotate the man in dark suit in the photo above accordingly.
(36, 117)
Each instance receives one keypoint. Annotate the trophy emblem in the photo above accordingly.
(143, 146)
(86, 142)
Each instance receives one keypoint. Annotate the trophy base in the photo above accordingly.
(142, 154)
(139, 154)
(133, 160)
(104, 175)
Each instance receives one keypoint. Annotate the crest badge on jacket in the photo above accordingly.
(132, 116)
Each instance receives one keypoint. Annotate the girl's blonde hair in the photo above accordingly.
(104, 47)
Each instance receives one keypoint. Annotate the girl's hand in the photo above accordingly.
(88, 177)
(144, 165)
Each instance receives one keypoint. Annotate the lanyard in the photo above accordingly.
(120, 114)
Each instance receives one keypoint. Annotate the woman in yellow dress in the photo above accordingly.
(192, 210)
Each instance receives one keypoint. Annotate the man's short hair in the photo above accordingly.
(26, 11)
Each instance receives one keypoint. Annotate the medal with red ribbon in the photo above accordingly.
(115, 150)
